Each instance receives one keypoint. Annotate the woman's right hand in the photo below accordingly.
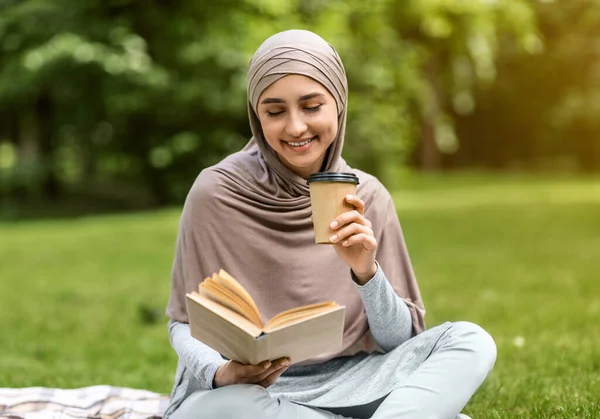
(263, 374)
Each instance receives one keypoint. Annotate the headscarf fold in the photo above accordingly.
(251, 215)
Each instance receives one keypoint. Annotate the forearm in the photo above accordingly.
(389, 317)
(201, 360)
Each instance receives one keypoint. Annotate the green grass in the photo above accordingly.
(82, 299)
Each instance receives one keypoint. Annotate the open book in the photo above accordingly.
(223, 316)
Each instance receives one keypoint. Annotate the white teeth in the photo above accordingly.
(302, 143)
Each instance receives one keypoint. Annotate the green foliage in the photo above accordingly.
(516, 255)
(126, 94)
(541, 113)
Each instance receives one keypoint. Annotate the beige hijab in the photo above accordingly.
(250, 215)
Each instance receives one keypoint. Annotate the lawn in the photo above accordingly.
(82, 300)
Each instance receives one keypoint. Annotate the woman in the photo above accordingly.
(250, 215)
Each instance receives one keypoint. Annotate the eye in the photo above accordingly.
(314, 108)
(273, 114)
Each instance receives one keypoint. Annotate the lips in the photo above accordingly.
(301, 142)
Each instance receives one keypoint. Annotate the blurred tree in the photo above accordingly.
(542, 112)
(129, 100)
(457, 43)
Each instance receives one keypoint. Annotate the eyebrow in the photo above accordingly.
(300, 99)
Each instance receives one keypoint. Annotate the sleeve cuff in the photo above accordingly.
(371, 283)
(211, 371)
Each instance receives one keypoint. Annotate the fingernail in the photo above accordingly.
(285, 364)
(349, 197)
(267, 365)
(334, 224)
(333, 238)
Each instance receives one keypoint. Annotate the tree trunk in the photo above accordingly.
(154, 179)
(431, 160)
(43, 112)
(430, 157)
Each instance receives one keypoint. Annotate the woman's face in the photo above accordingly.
(299, 121)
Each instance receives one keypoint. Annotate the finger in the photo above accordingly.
(349, 217)
(251, 371)
(276, 366)
(368, 242)
(358, 203)
(270, 380)
(348, 231)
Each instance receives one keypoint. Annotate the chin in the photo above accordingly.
(301, 167)
(302, 164)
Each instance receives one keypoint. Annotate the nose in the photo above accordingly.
(295, 126)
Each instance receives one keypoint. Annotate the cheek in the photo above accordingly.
(270, 132)
(334, 128)
(329, 126)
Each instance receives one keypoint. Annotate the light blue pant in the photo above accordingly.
(438, 389)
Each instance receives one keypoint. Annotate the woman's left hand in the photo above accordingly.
(354, 241)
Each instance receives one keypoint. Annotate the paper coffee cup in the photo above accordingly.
(327, 198)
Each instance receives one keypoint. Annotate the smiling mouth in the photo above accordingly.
(301, 143)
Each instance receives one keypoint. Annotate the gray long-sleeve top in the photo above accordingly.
(388, 316)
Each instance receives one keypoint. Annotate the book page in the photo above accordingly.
(299, 314)
(293, 312)
(305, 338)
(229, 315)
(217, 292)
(220, 334)
(235, 337)
(231, 283)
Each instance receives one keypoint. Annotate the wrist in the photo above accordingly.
(364, 277)
(218, 377)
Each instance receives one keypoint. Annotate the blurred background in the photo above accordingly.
(482, 117)
(119, 104)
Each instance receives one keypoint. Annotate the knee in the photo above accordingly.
(232, 402)
(473, 338)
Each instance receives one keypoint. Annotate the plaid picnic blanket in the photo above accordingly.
(102, 402)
